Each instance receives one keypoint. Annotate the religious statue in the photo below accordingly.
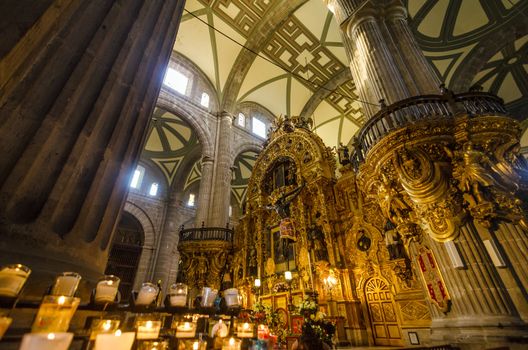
(393, 242)
(342, 152)
(282, 204)
(317, 242)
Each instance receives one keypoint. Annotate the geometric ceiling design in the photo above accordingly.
(169, 141)
(242, 169)
(194, 175)
(506, 74)
(303, 51)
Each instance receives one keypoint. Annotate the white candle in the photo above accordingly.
(178, 300)
(4, 325)
(106, 289)
(231, 344)
(46, 341)
(12, 278)
(147, 294)
(185, 330)
(231, 297)
(100, 326)
(148, 329)
(66, 284)
(116, 341)
(208, 296)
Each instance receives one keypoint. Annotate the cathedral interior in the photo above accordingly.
(369, 153)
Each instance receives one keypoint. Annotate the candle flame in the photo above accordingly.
(110, 282)
(232, 341)
(195, 345)
(245, 326)
(148, 324)
(118, 333)
(51, 336)
(62, 299)
(186, 325)
(107, 325)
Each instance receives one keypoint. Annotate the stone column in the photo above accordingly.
(167, 242)
(219, 215)
(481, 309)
(76, 94)
(204, 194)
(386, 62)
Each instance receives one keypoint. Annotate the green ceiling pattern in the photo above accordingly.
(169, 141)
(242, 169)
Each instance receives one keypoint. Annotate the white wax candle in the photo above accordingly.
(106, 291)
(11, 280)
(46, 341)
(147, 294)
(116, 341)
(178, 300)
(66, 285)
(208, 296)
(148, 329)
(231, 297)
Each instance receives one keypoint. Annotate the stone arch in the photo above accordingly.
(149, 242)
(245, 147)
(169, 103)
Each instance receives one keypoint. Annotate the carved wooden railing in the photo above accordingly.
(419, 108)
(206, 234)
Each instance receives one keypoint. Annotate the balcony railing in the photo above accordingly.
(206, 234)
(419, 108)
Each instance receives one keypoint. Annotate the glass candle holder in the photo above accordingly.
(12, 279)
(178, 294)
(4, 325)
(184, 329)
(54, 314)
(153, 345)
(66, 284)
(231, 297)
(147, 329)
(103, 326)
(106, 289)
(208, 296)
(147, 294)
(245, 330)
(46, 341)
(231, 344)
(116, 341)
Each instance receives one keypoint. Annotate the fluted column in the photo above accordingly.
(219, 215)
(76, 94)
(204, 194)
(478, 297)
(385, 60)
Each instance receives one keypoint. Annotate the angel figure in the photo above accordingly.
(391, 203)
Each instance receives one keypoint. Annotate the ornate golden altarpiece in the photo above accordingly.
(340, 233)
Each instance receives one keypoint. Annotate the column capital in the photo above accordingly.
(225, 114)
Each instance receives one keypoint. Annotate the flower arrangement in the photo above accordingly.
(316, 331)
(264, 314)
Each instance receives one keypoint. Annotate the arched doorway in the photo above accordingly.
(382, 313)
(126, 252)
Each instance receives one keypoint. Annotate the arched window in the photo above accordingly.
(241, 120)
(176, 80)
(205, 100)
(153, 189)
(137, 177)
(258, 128)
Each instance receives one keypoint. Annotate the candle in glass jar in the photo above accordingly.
(231, 344)
(231, 297)
(148, 329)
(66, 284)
(12, 279)
(178, 294)
(116, 341)
(4, 324)
(102, 326)
(147, 294)
(46, 341)
(208, 296)
(185, 329)
(54, 314)
(106, 290)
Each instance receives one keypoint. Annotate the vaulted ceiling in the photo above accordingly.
(300, 50)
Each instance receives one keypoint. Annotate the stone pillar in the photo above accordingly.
(167, 253)
(76, 94)
(481, 309)
(386, 62)
(219, 215)
(204, 194)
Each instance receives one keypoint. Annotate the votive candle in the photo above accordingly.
(46, 341)
(54, 314)
(148, 329)
(12, 279)
(66, 284)
(116, 341)
(106, 289)
(147, 294)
